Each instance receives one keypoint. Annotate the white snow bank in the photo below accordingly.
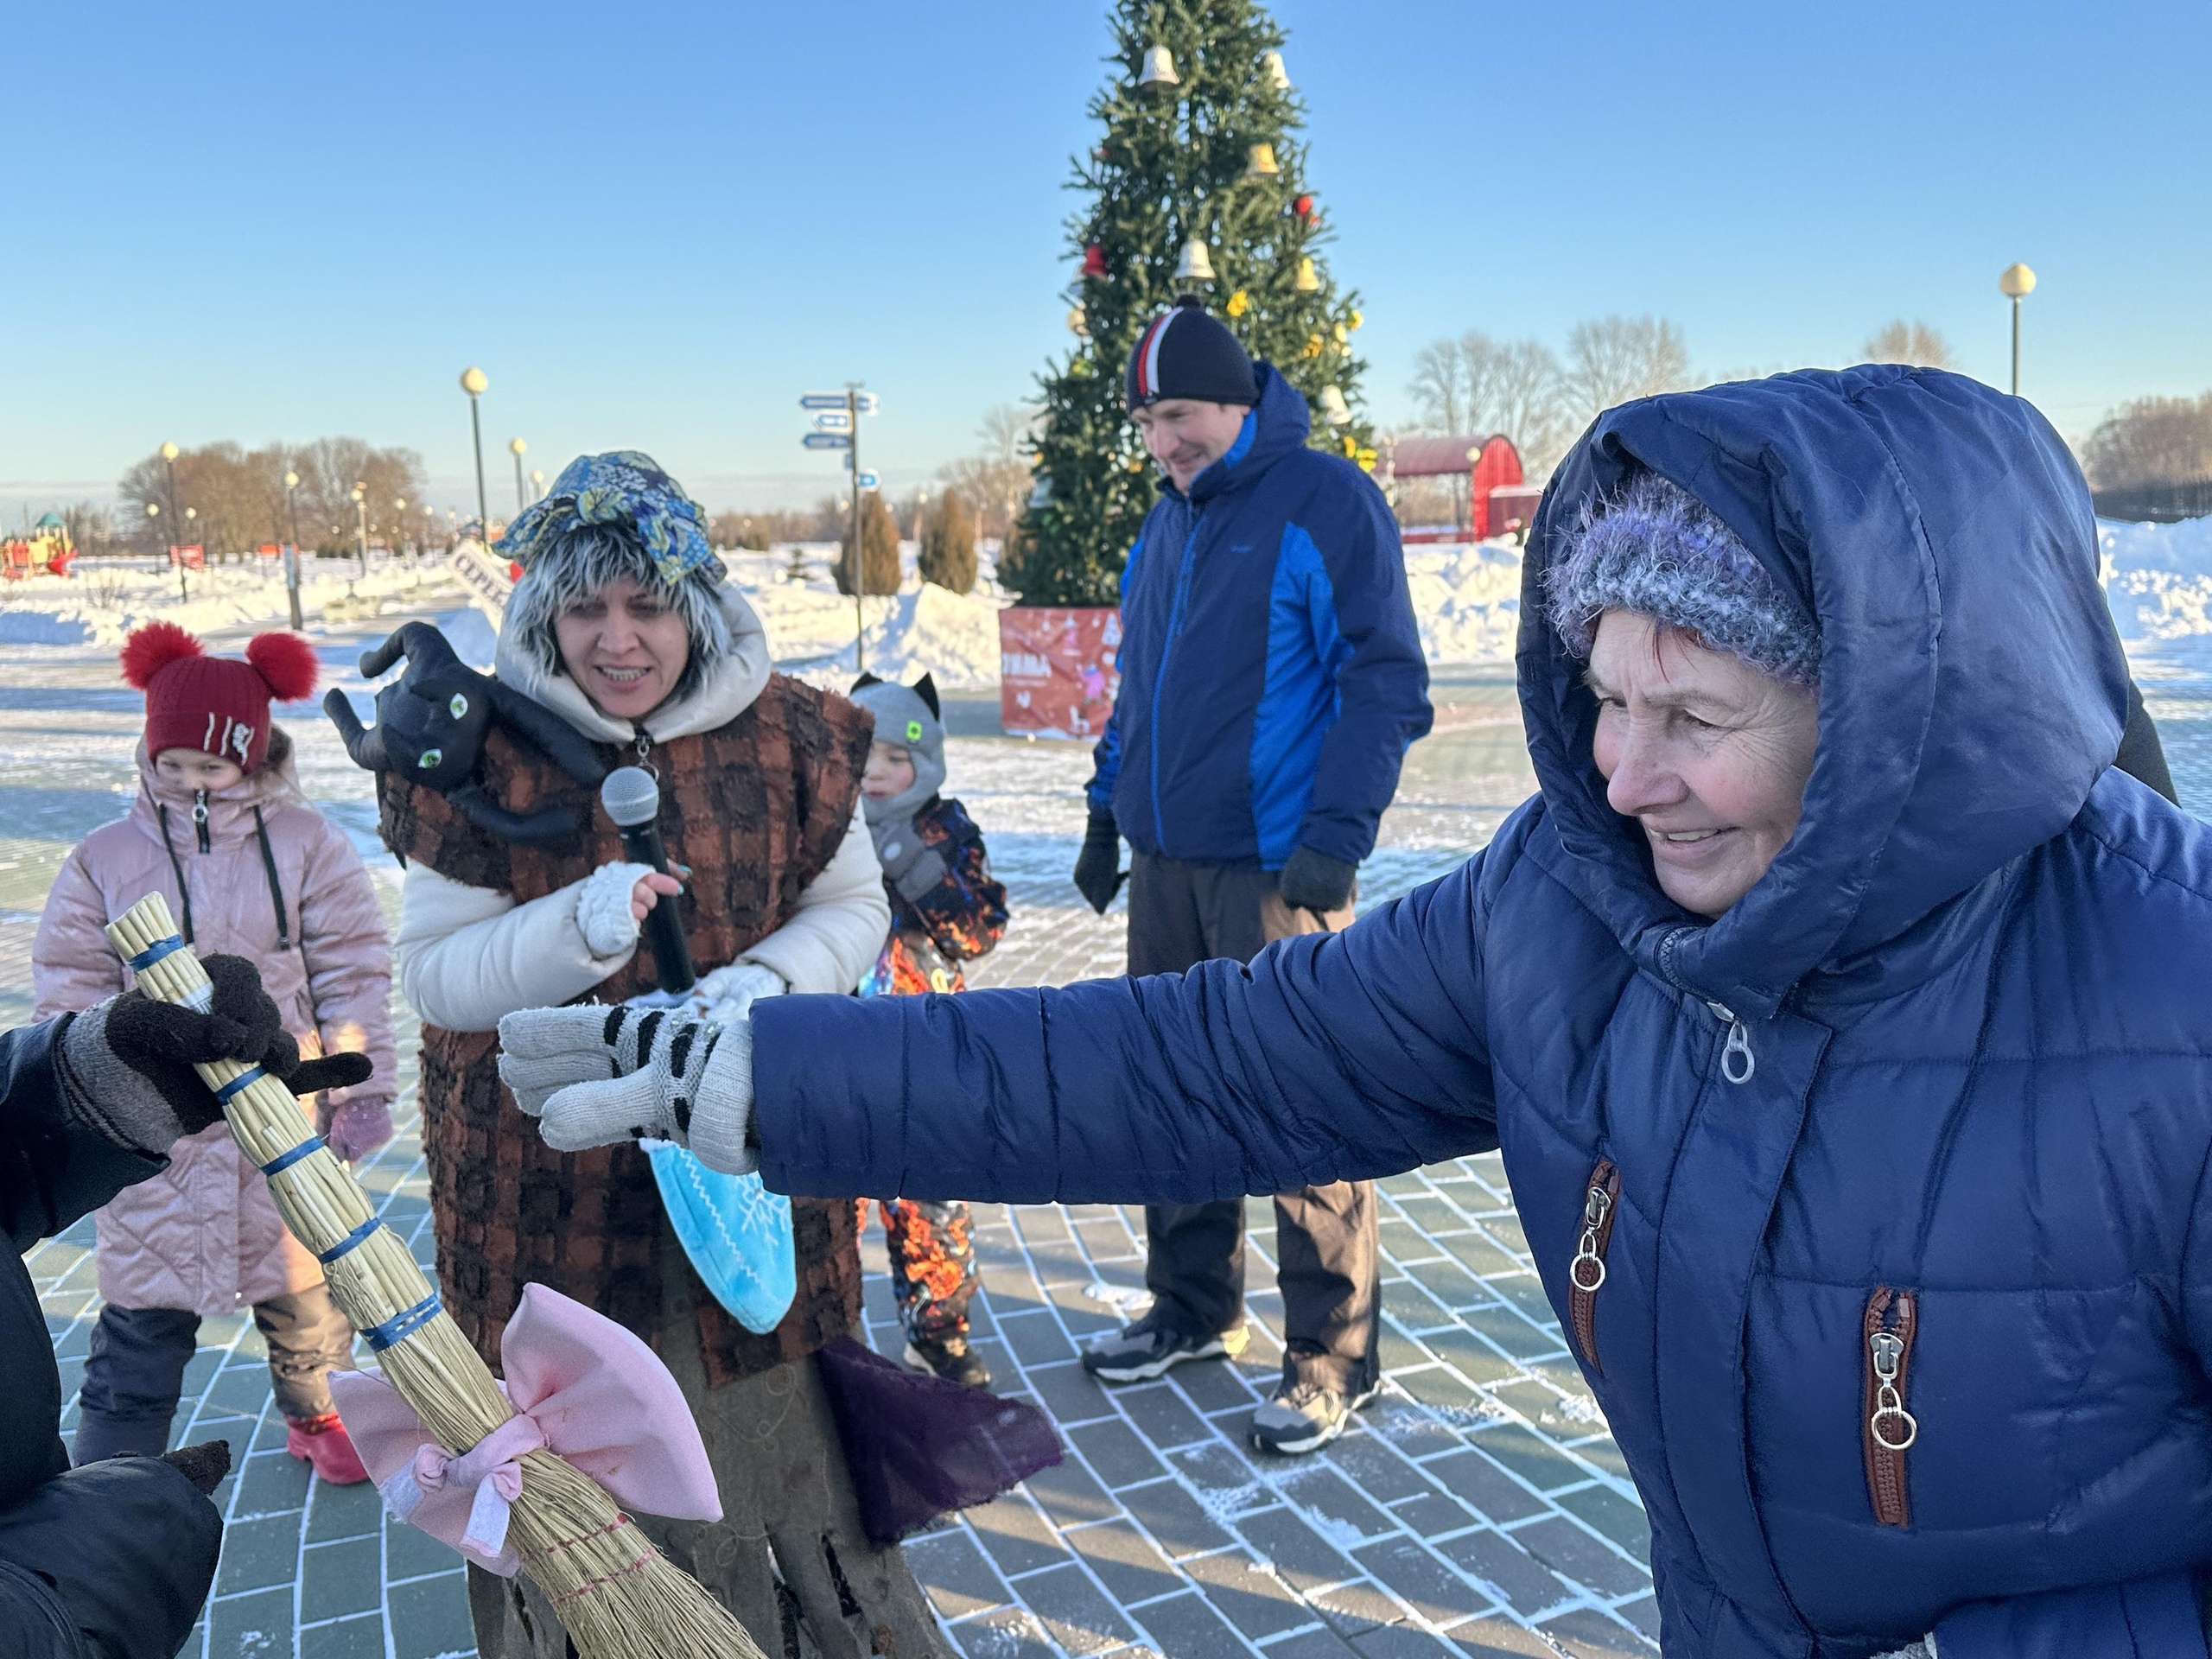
(99, 601)
(2159, 578)
(922, 629)
(1467, 600)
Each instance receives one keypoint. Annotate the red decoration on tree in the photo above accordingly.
(1094, 260)
(1303, 206)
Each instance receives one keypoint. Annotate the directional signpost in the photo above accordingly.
(837, 426)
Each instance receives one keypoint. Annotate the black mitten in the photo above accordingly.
(162, 1041)
(1098, 872)
(203, 1464)
(1315, 881)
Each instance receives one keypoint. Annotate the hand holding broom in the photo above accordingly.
(617, 1596)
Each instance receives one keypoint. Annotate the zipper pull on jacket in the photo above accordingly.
(1738, 1062)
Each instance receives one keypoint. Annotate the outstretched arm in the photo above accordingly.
(1329, 1057)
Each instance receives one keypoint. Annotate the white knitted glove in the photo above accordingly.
(603, 908)
(728, 993)
(592, 1076)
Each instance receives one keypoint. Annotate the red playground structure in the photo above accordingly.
(1497, 499)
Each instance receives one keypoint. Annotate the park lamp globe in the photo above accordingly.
(2016, 282)
(472, 381)
(170, 452)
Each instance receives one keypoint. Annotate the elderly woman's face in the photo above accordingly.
(625, 647)
(1708, 754)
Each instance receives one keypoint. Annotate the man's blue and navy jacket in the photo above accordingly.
(1271, 672)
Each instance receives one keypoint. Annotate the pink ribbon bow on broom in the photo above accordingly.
(583, 1388)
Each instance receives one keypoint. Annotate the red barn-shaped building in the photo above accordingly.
(1489, 463)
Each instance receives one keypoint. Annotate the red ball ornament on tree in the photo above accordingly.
(1303, 206)
(1094, 260)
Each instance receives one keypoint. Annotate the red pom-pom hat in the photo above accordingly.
(215, 704)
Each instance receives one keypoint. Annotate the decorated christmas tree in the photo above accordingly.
(1197, 186)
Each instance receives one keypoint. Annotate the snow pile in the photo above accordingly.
(1467, 600)
(2159, 578)
(101, 601)
(921, 629)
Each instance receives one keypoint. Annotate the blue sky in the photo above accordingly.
(654, 226)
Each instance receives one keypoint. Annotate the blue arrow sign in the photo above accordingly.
(865, 402)
(833, 420)
(869, 480)
(823, 400)
(827, 441)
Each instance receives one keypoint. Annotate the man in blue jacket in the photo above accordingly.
(1271, 680)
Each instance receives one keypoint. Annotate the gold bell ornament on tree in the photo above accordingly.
(1159, 69)
(1195, 265)
(1309, 280)
(1334, 409)
(1271, 68)
(1263, 162)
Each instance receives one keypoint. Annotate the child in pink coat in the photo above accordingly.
(220, 829)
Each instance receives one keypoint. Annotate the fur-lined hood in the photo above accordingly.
(728, 691)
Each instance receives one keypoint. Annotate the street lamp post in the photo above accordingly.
(537, 486)
(473, 382)
(168, 455)
(515, 447)
(361, 526)
(2016, 283)
(400, 524)
(292, 555)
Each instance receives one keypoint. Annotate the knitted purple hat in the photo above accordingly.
(1654, 548)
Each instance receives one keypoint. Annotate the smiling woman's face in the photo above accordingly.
(624, 647)
(1707, 753)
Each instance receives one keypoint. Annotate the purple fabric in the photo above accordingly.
(919, 1446)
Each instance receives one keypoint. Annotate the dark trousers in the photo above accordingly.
(134, 1373)
(1328, 1259)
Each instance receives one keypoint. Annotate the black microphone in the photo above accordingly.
(631, 799)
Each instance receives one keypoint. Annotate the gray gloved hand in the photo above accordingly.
(910, 864)
(593, 1075)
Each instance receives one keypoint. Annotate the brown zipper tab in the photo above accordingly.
(1586, 1273)
(1889, 1429)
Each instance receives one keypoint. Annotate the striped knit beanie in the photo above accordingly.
(1184, 353)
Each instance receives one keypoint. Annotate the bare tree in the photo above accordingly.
(1914, 342)
(1616, 359)
(995, 480)
(2152, 440)
(1477, 386)
(1439, 387)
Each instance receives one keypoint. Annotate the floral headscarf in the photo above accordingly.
(622, 486)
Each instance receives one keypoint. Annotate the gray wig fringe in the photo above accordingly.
(581, 559)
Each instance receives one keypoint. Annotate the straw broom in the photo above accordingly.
(617, 1595)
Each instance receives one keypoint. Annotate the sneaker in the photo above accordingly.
(952, 1358)
(1139, 1352)
(323, 1443)
(1304, 1416)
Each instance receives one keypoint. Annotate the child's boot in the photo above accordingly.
(322, 1442)
(950, 1358)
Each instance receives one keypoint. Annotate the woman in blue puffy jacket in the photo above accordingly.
(1844, 1016)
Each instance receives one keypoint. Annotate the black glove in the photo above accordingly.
(430, 726)
(1315, 881)
(1098, 872)
(203, 1464)
(161, 1042)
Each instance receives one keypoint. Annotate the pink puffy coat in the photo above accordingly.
(205, 1234)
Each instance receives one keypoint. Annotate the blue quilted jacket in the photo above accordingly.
(1869, 1209)
(1271, 670)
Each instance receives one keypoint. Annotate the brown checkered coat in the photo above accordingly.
(757, 807)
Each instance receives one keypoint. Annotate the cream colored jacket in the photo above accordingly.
(469, 955)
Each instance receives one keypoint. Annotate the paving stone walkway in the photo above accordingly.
(1479, 1508)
